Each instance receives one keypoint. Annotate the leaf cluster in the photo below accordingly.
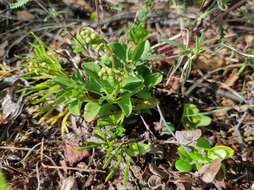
(192, 159)
(192, 118)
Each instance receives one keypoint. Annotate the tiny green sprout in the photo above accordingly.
(194, 158)
(192, 118)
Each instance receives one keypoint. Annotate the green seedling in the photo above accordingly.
(192, 159)
(192, 118)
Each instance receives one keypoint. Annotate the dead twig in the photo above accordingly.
(73, 168)
(147, 127)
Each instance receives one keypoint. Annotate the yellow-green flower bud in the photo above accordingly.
(93, 36)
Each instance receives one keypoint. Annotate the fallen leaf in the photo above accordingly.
(3, 120)
(69, 183)
(208, 172)
(157, 171)
(219, 180)
(249, 39)
(89, 180)
(79, 4)
(24, 15)
(72, 153)
(173, 85)
(187, 136)
(208, 62)
(231, 79)
(154, 181)
(9, 107)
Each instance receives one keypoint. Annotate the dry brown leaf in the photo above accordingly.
(233, 77)
(154, 181)
(209, 172)
(249, 39)
(209, 62)
(188, 136)
(72, 153)
(173, 85)
(25, 15)
(3, 120)
(79, 4)
(69, 183)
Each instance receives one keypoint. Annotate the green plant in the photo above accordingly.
(192, 159)
(114, 84)
(188, 54)
(222, 4)
(18, 4)
(192, 118)
(110, 137)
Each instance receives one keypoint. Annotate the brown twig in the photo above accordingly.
(72, 168)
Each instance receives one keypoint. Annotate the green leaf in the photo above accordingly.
(64, 81)
(138, 52)
(127, 169)
(95, 83)
(75, 106)
(133, 80)
(204, 121)
(119, 50)
(143, 148)
(106, 109)
(203, 143)
(192, 118)
(220, 152)
(137, 149)
(125, 105)
(184, 155)
(183, 166)
(153, 79)
(198, 157)
(132, 85)
(144, 94)
(89, 145)
(168, 129)
(138, 33)
(115, 167)
(91, 67)
(91, 111)
(146, 52)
